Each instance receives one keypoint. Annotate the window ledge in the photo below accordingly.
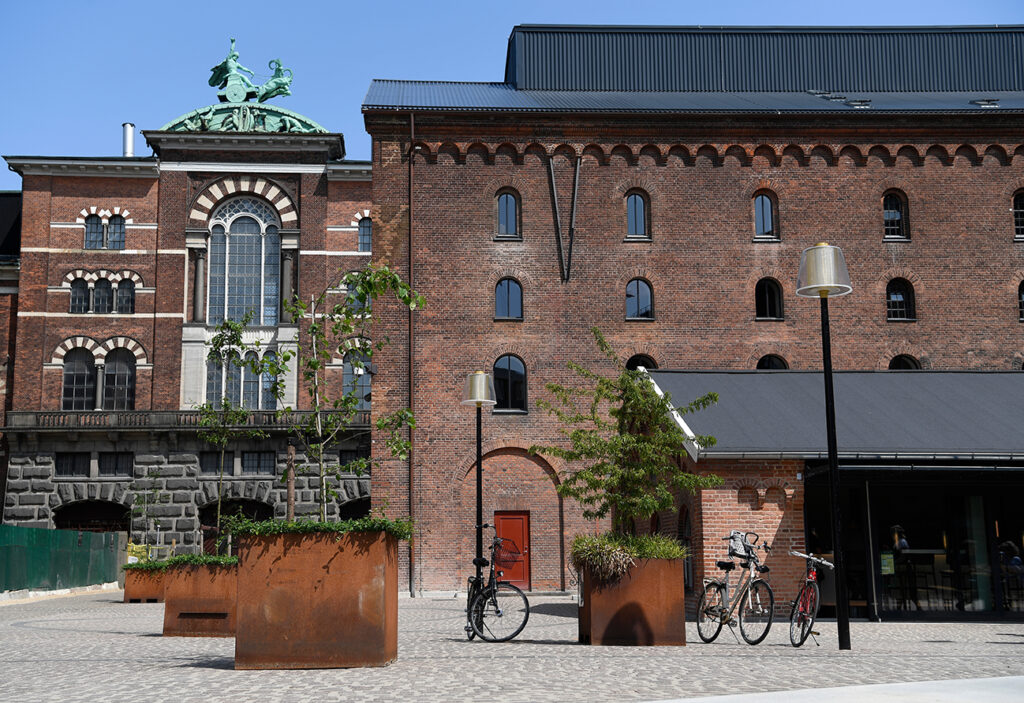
(640, 319)
(508, 319)
(510, 412)
(506, 238)
(1018, 238)
(769, 319)
(634, 238)
(901, 319)
(895, 239)
(766, 240)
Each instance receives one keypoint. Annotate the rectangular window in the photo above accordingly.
(259, 463)
(119, 464)
(209, 463)
(72, 465)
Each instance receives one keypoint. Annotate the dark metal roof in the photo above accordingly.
(882, 414)
(501, 97)
(741, 59)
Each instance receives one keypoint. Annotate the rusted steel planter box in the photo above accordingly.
(143, 586)
(317, 601)
(199, 600)
(644, 607)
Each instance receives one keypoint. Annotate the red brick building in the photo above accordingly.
(660, 183)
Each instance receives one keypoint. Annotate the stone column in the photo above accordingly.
(287, 284)
(199, 288)
(99, 385)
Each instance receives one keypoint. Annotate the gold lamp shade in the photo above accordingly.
(479, 389)
(823, 272)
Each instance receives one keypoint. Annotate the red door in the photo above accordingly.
(515, 526)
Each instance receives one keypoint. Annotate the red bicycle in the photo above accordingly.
(805, 607)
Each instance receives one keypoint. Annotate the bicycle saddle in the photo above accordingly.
(726, 565)
(763, 569)
(480, 561)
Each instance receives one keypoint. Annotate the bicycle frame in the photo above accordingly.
(742, 589)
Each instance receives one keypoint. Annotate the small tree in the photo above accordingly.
(222, 421)
(333, 330)
(624, 435)
(146, 495)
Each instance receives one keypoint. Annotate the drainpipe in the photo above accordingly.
(412, 367)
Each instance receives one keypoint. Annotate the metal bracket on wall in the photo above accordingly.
(564, 259)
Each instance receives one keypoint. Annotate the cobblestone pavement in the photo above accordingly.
(94, 648)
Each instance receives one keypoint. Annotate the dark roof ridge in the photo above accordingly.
(808, 29)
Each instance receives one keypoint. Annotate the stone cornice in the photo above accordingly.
(332, 144)
(117, 167)
(351, 171)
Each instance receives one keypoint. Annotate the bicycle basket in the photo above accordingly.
(506, 554)
(738, 546)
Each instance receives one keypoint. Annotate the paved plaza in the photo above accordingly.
(94, 648)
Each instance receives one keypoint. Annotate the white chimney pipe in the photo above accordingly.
(128, 140)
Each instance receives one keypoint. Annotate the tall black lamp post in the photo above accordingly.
(822, 274)
(479, 391)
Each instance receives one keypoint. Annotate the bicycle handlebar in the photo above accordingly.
(812, 558)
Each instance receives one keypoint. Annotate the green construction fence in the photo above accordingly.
(41, 559)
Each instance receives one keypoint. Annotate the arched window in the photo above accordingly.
(899, 297)
(365, 234)
(214, 382)
(637, 215)
(233, 379)
(508, 300)
(1020, 301)
(768, 300)
(267, 400)
(638, 360)
(356, 378)
(765, 224)
(250, 383)
(126, 296)
(508, 215)
(79, 296)
(119, 380)
(115, 232)
(102, 297)
(895, 215)
(93, 232)
(772, 362)
(79, 381)
(1018, 215)
(639, 300)
(245, 262)
(510, 383)
(904, 362)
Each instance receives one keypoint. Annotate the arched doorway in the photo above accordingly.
(92, 516)
(252, 509)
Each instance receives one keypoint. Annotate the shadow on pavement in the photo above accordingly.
(562, 610)
(210, 663)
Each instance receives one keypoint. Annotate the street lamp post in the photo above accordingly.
(479, 391)
(822, 274)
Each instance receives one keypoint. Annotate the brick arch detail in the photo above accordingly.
(646, 185)
(762, 184)
(118, 495)
(513, 182)
(646, 348)
(79, 342)
(516, 349)
(104, 214)
(883, 278)
(779, 349)
(257, 491)
(223, 188)
(99, 351)
(553, 467)
(92, 276)
(521, 275)
(904, 348)
(358, 216)
(123, 343)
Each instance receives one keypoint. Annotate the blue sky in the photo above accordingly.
(77, 70)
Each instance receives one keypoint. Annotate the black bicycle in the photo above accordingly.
(496, 610)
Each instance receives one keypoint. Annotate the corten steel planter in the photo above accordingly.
(143, 586)
(317, 601)
(199, 600)
(645, 607)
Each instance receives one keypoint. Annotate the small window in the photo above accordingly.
(209, 463)
(268, 401)
(365, 234)
(638, 360)
(79, 391)
(508, 300)
(357, 306)
(637, 220)
(115, 232)
(102, 297)
(79, 296)
(119, 380)
(1020, 302)
(768, 299)
(72, 465)
(904, 362)
(772, 362)
(1018, 215)
(639, 300)
(126, 297)
(764, 216)
(93, 232)
(118, 464)
(508, 215)
(510, 383)
(899, 295)
(894, 215)
(259, 463)
(356, 379)
(250, 383)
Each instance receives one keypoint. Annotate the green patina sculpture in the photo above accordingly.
(235, 113)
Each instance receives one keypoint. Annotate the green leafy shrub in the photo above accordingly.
(146, 566)
(608, 557)
(182, 559)
(401, 528)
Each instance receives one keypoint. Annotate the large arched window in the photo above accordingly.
(115, 232)
(637, 215)
(899, 300)
(508, 300)
(93, 232)
(510, 383)
(896, 224)
(904, 362)
(638, 360)
(126, 296)
(365, 242)
(356, 379)
(508, 215)
(79, 381)
(236, 381)
(102, 297)
(245, 263)
(119, 380)
(639, 300)
(765, 222)
(79, 296)
(768, 300)
(772, 362)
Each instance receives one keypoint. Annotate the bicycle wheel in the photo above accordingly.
(757, 608)
(709, 612)
(501, 614)
(470, 632)
(805, 609)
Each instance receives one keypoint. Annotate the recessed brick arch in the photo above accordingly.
(228, 186)
(92, 276)
(87, 343)
(104, 214)
(122, 343)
